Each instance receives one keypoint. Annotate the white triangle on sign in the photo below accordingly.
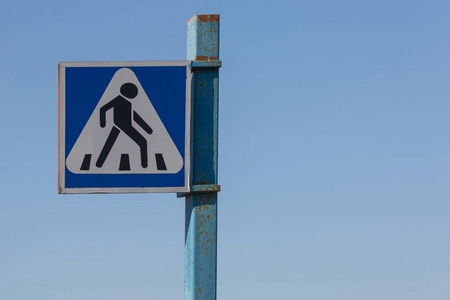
(132, 149)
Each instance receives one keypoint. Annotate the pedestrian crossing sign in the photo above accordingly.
(124, 127)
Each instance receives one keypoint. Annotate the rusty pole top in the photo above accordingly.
(203, 38)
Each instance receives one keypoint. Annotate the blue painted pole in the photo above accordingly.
(201, 202)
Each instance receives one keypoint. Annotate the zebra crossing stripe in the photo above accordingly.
(160, 164)
(86, 162)
(124, 163)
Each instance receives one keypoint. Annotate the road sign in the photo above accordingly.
(124, 127)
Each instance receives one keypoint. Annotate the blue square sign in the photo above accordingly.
(124, 127)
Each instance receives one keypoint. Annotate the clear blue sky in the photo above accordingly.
(334, 153)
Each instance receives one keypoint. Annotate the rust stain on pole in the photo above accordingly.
(205, 18)
(206, 58)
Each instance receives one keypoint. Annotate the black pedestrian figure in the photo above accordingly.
(122, 112)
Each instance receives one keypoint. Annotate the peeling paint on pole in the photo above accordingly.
(201, 203)
(203, 38)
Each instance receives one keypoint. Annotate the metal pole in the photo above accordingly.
(201, 203)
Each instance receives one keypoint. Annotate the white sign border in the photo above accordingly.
(62, 127)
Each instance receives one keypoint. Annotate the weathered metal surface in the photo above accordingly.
(201, 202)
(201, 247)
(204, 153)
(206, 64)
(203, 37)
(207, 188)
